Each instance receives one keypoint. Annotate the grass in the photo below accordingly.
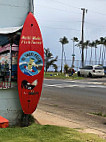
(58, 75)
(99, 114)
(47, 133)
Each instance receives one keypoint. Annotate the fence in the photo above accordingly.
(77, 64)
(6, 82)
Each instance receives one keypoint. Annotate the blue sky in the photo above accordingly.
(58, 18)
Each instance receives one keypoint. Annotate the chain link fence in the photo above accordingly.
(77, 64)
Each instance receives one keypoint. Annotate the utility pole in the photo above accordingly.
(82, 36)
(31, 6)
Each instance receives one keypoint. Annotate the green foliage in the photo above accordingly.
(75, 39)
(99, 114)
(58, 75)
(55, 67)
(47, 133)
(63, 40)
(66, 67)
(49, 59)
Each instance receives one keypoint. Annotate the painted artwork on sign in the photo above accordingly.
(28, 88)
(30, 63)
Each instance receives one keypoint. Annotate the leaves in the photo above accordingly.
(64, 40)
(49, 59)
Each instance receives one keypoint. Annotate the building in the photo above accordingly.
(12, 16)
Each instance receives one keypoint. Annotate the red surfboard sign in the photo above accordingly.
(30, 65)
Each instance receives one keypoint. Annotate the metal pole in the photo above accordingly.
(10, 64)
(31, 6)
(73, 56)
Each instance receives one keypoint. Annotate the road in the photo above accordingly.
(76, 100)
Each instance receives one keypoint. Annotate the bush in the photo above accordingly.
(66, 67)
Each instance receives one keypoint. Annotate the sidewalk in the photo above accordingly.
(46, 118)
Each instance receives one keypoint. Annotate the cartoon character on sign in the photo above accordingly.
(30, 67)
(30, 63)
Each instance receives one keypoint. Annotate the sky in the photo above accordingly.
(59, 18)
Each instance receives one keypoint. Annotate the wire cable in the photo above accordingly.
(60, 10)
(59, 28)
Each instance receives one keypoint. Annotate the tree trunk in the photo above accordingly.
(95, 57)
(91, 55)
(100, 55)
(86, 56)
(62, 58)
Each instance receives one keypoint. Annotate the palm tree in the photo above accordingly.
(75, 39)
(91, 44)
(49, 59)
(102, 43)
(86, 44)
(96, 45)
(63, 41)
(96, 42)
(80, 46)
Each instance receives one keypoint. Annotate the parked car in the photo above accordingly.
(104, 69)
(91, 71)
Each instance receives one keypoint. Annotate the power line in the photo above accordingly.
(59, 21)
(61, 10)
(59, 28)
(104, 14)
(80, 8)
(95, 25)
(66, 4)
(67, 22)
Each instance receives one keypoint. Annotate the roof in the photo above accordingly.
(14, 12)
(8, 34)
(10, 30)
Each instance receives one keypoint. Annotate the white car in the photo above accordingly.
(91, 71)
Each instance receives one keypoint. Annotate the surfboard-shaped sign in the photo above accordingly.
(30, 65)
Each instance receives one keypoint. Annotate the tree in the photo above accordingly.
(105, 47)
(91, 44)
(49, 59)
(95, 45)
(102, 43)
(63, 41)
(75, 39)
(86, 44)
(55, 67)
(66, 67)
(80, 46)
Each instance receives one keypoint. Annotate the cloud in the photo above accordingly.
(58, 18)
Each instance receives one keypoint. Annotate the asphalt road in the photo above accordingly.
(76, 100)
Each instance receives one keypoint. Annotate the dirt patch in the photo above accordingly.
(46, 118)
